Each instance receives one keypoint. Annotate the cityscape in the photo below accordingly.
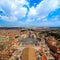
(29, 44)
(29, 29)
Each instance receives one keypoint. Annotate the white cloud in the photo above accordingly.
(32, 12)
(40, 18)
(45, 19)
(30, 20)
(43, 9)
(21, 12)
(9, 19)
(49, 23)
(14, 8)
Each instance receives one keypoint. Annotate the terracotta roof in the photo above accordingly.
(44, 57)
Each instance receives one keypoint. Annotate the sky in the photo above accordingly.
(29, 13)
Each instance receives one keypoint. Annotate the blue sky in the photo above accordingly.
(28, 13)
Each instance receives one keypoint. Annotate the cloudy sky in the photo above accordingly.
(28, 13)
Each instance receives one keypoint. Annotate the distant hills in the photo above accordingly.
(29, 27)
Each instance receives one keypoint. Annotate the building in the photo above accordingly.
(44, 57)
(4, 38)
